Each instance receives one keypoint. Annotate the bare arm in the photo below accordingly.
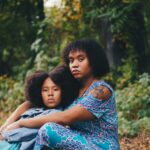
(74, 114)
(16, 114)
(66, 117)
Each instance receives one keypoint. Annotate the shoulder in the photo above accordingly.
(101, 90)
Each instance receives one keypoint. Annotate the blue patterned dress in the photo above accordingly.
(98, 134)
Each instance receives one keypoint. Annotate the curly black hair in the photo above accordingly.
(33, 86)
(95, 54)
(61, 76)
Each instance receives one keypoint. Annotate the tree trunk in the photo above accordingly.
(113, 48)
(139, 38)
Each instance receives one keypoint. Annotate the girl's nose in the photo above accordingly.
(50, 92)
(75, 63)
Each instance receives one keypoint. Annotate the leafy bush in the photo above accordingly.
(43, 62)
(11, 93)
(133, 104)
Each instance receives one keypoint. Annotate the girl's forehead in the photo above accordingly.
(49, 81)
(77, 53)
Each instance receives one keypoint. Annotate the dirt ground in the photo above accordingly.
(141, 142)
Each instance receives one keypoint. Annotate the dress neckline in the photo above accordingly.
(88, 88)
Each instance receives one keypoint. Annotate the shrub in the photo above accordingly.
(11, 93)
(133, 104)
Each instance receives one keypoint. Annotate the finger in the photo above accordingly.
(10, 127)
(1, 137)
(1, 128)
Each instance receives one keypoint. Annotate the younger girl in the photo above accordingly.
(54, 90)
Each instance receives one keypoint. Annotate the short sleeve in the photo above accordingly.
(95, 106)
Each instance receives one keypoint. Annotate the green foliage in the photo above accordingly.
(46, 47)
(133, 104)
(126, 22)
(43, 62)
(124, 75)
(18, 25)
(11, 93)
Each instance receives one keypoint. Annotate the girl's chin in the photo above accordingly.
(78, 78)
(51, 106)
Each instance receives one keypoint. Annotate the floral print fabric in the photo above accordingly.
(100, 133)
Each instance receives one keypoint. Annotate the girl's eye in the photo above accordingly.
(81, 59)
(56, 89)
(44, 90)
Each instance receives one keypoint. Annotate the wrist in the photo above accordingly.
(21, 123)
(10, 120)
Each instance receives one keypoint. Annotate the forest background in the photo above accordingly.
(33, 35)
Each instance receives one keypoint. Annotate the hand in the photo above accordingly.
(3, 126)
(1, 137)
(12, 126)
(8, 122)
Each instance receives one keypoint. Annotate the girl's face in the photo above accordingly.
(51, 93)
(79, 65)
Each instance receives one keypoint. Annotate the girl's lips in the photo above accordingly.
(75, 71)
(50, 100)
